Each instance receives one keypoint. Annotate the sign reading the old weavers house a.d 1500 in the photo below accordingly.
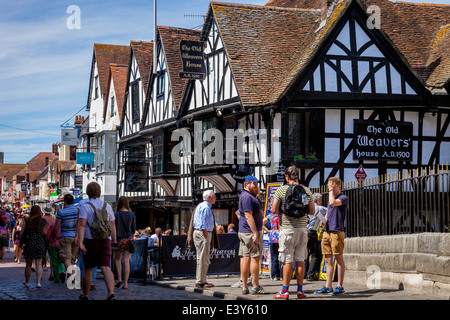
(382, 140)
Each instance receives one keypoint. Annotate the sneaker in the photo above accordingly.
(300, 295)
(324, 290)
(338, 291)
(279, 295)
(92, 287)
(38, 285)
(245, 291)
(259, 290)
(237, 284)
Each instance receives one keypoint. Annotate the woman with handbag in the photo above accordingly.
(32, 239)
(125, 226)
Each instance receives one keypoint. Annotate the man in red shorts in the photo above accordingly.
(96, 253)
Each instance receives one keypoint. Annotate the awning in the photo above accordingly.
(169, 185)
(223, 182)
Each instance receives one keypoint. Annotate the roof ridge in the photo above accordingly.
(256, 6)
(422, 4)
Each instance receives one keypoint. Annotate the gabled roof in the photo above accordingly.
(143, 52)
(10, 169)
(265, 47)
(104, 55)
(117, 75)
(170, 39)
(419, 31)
(37, 163)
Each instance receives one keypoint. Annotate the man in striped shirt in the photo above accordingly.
(293, 237)
(66, 219)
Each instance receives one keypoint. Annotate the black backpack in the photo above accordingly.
(295, 202)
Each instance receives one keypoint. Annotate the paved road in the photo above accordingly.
(12, 276)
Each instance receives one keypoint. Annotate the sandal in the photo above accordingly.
(118, 284)
(111, 297)
(125, 288)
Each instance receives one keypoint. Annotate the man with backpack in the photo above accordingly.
(293, 202)
(96, 232)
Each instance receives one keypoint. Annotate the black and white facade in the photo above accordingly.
(352, 100)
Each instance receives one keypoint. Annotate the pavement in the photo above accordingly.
(12, 276)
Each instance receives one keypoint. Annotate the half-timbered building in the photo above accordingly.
(133, 151)
(171, 179)
(103, 84)
(324, 85)
(336, 88)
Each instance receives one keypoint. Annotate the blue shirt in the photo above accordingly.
(203, 217)
(248, 202)
(68, 218)
(336, 215)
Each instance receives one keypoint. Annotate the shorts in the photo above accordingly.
(123, 244)
(293, 245)
(333, 242)
(98, 253)
(247, 248)
(68, 250)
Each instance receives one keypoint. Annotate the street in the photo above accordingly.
(12, 276)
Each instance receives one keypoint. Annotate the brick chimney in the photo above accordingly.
(324, 8)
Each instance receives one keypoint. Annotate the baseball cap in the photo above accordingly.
(251, 178)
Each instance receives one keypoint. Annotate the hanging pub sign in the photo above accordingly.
(136, 177)
(193, 60)
(382, 140)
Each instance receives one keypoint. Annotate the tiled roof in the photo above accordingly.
(10, 169)
(37, 163)
(105, 54)
(419, 31)
(264, 46)
(117, 75)
(170, 38)
(143, 52)
(302, 4)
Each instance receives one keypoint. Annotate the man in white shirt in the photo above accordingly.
(95, 252)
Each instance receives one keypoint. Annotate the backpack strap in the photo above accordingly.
(93, 208)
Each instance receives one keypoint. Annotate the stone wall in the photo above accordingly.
(419, 262)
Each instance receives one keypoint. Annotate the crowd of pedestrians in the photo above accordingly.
(83, 237)
(300, 231)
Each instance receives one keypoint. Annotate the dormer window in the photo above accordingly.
(112, 105)
(160, 84)
(135, 101)
(95, 87)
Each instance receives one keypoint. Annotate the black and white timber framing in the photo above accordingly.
(357, 74)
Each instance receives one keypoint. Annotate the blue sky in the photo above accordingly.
(45, 66)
